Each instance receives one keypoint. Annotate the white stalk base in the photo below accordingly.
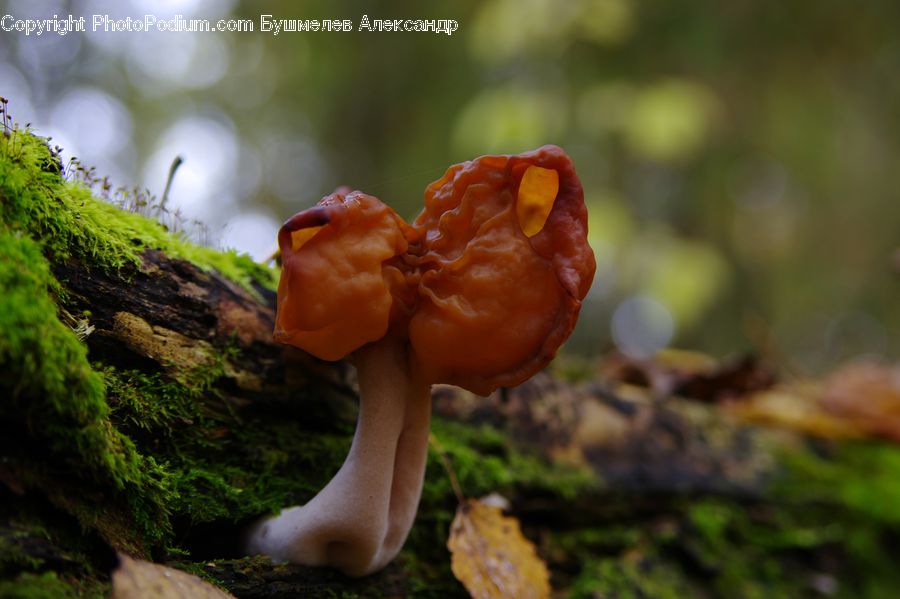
(360, 520)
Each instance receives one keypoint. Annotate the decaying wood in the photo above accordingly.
(169, 314)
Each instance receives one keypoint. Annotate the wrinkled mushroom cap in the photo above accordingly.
(506, 264)
(487, 283)
(333, 296)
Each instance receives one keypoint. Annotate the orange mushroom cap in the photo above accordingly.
(505, 264)
(334, 295)
(487, 282)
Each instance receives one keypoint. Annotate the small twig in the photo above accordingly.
(165, 196)
(4, 114)
(445, 461)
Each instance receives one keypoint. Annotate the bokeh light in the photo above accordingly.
(641, 326)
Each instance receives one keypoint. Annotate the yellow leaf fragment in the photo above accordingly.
(492, 558)
(858, 400)
(537, 192)
(137, 579)
(866, 394)
(795, 407)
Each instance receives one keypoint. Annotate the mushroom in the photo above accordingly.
(479, 292)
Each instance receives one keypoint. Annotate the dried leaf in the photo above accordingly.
(860, 399)
(492, 558)
(690, 374)
(137, 579)
(796, 406)
(867, 394)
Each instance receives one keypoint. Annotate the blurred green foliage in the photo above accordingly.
(739, 159)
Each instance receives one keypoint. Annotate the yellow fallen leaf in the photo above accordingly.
(796, 407)
(137, 579)
(866, 394)
(492, 558)
(858, 400)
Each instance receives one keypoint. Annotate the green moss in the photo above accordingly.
(700, 548)
(13, 558)
(831, 513)
(826, 524)
(53, 397)
(44, 553)
(49, 586)
(646, 577)
(746, 551)
(61, 434)
(863, 477)
(582, 545)
(221, 469)
(147, 403)
(69, 221)
(854, 488)
(485, 461)
(279, 466)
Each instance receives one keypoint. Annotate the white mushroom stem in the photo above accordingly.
(360, 520)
